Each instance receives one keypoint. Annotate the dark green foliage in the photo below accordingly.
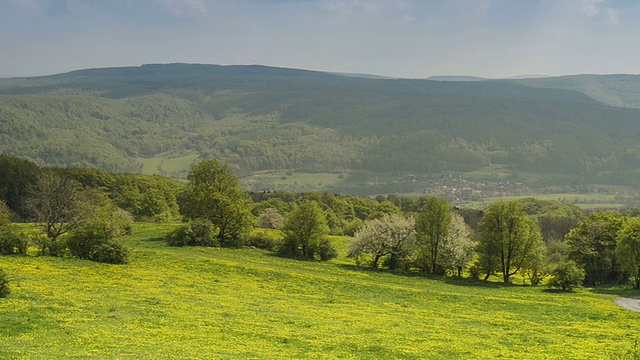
(82, 241)
(592, 245)
(305, 229)
(566, 276)
(5, 290)
(18, 176)
(198, 232)
(554, 218)
(326, 250)
(91, 243)
(111, 252)
(289, 119)
(264, 240)
(12, 242)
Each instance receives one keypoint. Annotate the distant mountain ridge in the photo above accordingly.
(259, 118)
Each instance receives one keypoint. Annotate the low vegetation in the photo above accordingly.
(196, 302)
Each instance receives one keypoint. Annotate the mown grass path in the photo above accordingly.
(201, 303)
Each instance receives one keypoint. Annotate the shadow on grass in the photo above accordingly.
(156, 239)
(416, 274)
(558, 291)
(617, 290)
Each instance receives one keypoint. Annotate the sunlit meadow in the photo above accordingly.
(208, 303)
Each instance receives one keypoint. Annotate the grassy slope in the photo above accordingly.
(219, 303)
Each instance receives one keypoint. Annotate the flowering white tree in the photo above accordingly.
(390, 235)
(457, 246)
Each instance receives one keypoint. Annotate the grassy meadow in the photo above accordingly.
(211, 303)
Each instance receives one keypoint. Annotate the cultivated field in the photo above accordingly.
(208, 303)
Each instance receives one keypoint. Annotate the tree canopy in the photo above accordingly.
(212, 194)
(509, 239)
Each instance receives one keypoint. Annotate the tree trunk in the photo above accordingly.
(374, 265)
(505, 277)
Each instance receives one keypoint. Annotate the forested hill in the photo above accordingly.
(263, 118)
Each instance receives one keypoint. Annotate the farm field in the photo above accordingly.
(209, 303)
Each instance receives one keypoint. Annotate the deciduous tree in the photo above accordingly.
(390, 235)
(458, 246)
(59, 205)
(432, 226)
(212, 194)
(305, 231)
(592, 245)
(628, 250)
(509, 239)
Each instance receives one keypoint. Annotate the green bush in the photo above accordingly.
(91, 243)
(110, 252)
(566, 276)
(81, 241)
(197, 232)
(264, 240)
(326, 250)
(4, 284)
(12, 242)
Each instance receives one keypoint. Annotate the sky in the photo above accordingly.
(396, 38)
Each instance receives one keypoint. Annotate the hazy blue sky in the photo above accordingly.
(404, 38)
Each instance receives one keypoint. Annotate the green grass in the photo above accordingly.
(209, 303)
(172, 164)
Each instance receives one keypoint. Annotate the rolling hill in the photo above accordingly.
(160, 118)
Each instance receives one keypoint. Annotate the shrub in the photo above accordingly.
(91, 243)
(326, 250)
(81, 241)
(197, 232)
(566, 276)
(110, 252)
(12, 242)
(264, 240)
(4, 284)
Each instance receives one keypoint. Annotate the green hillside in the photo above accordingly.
(211, 303)
(157, 119)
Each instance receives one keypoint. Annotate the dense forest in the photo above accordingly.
(259, 118)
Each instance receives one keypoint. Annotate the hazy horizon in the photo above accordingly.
(393, 38)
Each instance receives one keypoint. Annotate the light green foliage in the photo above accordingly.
(212, 194)
(592, 245)
(628, 250)
(212, 303)
(305, 230)
(432, 225)
(458, 246)
(509, 240)
(390, 238)
(566, 275)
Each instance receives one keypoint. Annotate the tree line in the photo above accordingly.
(82, 211)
